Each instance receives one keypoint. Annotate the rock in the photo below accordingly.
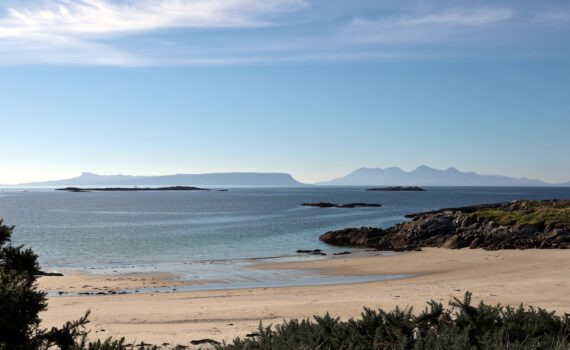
(314, 252)
(72, 189)
(320, 205)
(348, 205)
(360, 205)
(342, 253)
(397, 189)
(472, 227)
(205, 341)
(49, 274)
(254, 334)
(364, 236)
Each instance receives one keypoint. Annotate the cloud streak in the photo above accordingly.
(77, 30)
(218, 32)
(101, 17)
(439, 26)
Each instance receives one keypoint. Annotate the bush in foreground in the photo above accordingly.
(21, 303)
(461, 326)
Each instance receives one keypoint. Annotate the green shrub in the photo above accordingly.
(21, 303)
(461, 326)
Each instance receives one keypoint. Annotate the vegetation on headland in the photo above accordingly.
(537, 213)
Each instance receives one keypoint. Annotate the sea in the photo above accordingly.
(213, 238)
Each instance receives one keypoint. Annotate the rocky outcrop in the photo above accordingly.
(474, 227)
(397, 189)
(348, 205)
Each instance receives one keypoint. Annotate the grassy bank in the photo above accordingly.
(554, 213)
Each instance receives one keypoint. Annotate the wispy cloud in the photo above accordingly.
(435, 26)
(106, 17)
(197, 32)
(77, 29)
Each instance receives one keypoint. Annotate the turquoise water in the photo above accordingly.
(212, 235)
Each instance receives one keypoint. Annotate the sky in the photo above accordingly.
(315, 88)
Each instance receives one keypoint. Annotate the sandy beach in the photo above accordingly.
(534, 277)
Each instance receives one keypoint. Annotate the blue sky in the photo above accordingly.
(314, 88)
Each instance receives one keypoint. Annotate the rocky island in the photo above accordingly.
(522, 224)
(132, 189)
(397, 189)
(348, 205)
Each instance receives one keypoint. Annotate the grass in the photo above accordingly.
(540, 213)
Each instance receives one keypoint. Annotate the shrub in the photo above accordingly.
(459, 327)
(21, 303)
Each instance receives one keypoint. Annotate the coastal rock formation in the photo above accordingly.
(397, 189)
(348, 205)
(518, 225)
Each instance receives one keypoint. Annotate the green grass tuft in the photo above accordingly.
(539, 213)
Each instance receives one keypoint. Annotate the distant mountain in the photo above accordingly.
(211, 179)
(426, 176)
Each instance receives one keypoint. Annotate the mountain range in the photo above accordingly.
(421, 176)
(426, 176)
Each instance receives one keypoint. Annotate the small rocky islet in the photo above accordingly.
(348, 205)
(132, 189)
(522, 224)
(397, 189)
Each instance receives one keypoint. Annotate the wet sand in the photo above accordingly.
(534, 277)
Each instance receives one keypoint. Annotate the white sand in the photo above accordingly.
(535, 277)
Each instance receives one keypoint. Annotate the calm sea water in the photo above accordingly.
(211, 235)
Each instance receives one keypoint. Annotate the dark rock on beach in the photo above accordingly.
(517, 225)
(342, 253)
(205, 341)
(309, 251)
(314, 251)
(397, 189)
(49, 274)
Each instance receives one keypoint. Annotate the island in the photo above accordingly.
(348, 205)
(522, 224)
(132, 189)
(397, 189)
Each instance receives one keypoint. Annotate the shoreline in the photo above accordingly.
(534, 277)
(254, 270)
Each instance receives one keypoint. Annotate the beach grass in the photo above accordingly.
(554, 213)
